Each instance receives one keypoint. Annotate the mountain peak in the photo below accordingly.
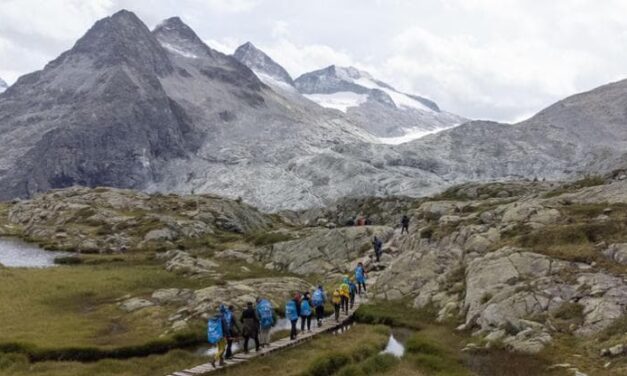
(261, 63)
(120, 39)
(177, 37)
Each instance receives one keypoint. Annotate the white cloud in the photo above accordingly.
(496, 59)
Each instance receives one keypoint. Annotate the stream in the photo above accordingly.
(15, 253)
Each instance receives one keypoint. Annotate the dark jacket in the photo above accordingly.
(250, 321)
(405, 220)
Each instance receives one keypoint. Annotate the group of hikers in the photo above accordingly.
(257, 320)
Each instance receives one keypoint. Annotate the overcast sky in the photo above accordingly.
(484, 59)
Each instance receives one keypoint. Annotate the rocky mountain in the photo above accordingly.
(375, 105)
(161, 111)
(3, 85)
(265, 68)
(127, 107)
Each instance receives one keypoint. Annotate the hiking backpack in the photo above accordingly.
(318, 298)
(214, 330)
(266, 317)
(305, 308)
(291, 311)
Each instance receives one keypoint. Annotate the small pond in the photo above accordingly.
(15, 253)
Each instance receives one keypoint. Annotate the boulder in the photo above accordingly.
(324, 251)
(134, 304)
(617, 253)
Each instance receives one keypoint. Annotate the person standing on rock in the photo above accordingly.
(318, 300)
(405, 224)
(267, 319)
(337, 301)
(232, 330)
(360, 277)
(305, 313)
(378, 247)
(292, 313)
(345, 292)
(250, 326)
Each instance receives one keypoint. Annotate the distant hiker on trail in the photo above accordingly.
(337, 301)
(350, 222)
(318, 300)
(360, 277)
(353, 292)
(216, 327)
(232, 330)
(267, 319)
(405, 224)
(368, 221)
(345, 292)
(250, 328)
(292, 312)
(305, 313)
(378, 247)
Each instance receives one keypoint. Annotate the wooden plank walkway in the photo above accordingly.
(329, 325)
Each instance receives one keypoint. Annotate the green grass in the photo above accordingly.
(18, 365)
(267, 238)
(395, 314)
(75, 306)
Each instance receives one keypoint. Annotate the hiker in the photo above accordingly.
(345, 294)
(378, 247)
(216, 328)
(305, 313)
(360, 277)
(250, 326)
(232, 329)
(318, 300)
(405, 224)
(267, 319)
(292, 312)
(350, 222)
(353, 291)
(337, 300)
(368, 221)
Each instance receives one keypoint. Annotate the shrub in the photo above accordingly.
(420, 345)
(327, 364)
(569, 311)
(379, 364)
(68, 260)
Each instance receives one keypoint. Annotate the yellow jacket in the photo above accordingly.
(345, 290)
(336, 299)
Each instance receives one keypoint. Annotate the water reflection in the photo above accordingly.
(15, 253)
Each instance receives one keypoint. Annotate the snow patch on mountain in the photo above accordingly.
(342, 100)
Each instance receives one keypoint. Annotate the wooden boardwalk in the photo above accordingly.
(329, 325)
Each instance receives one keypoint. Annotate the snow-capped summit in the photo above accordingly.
(3, 85)
(264, 67)
(394, 116)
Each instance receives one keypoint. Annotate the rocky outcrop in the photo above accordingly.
(114, 220)
(323, 251)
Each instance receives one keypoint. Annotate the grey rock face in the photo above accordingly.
(3, 85)
(261, 63)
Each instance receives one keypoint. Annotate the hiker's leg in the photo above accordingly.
(309, 323)
(246, 338)
(256, 341)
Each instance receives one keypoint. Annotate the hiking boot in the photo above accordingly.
(222, 363)
(213, 363)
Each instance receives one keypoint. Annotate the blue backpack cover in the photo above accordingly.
(291, 312)
(266, 317)
(359, 274)
(318, 298)
(305, 308)
(214, 330)
(228, 318)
